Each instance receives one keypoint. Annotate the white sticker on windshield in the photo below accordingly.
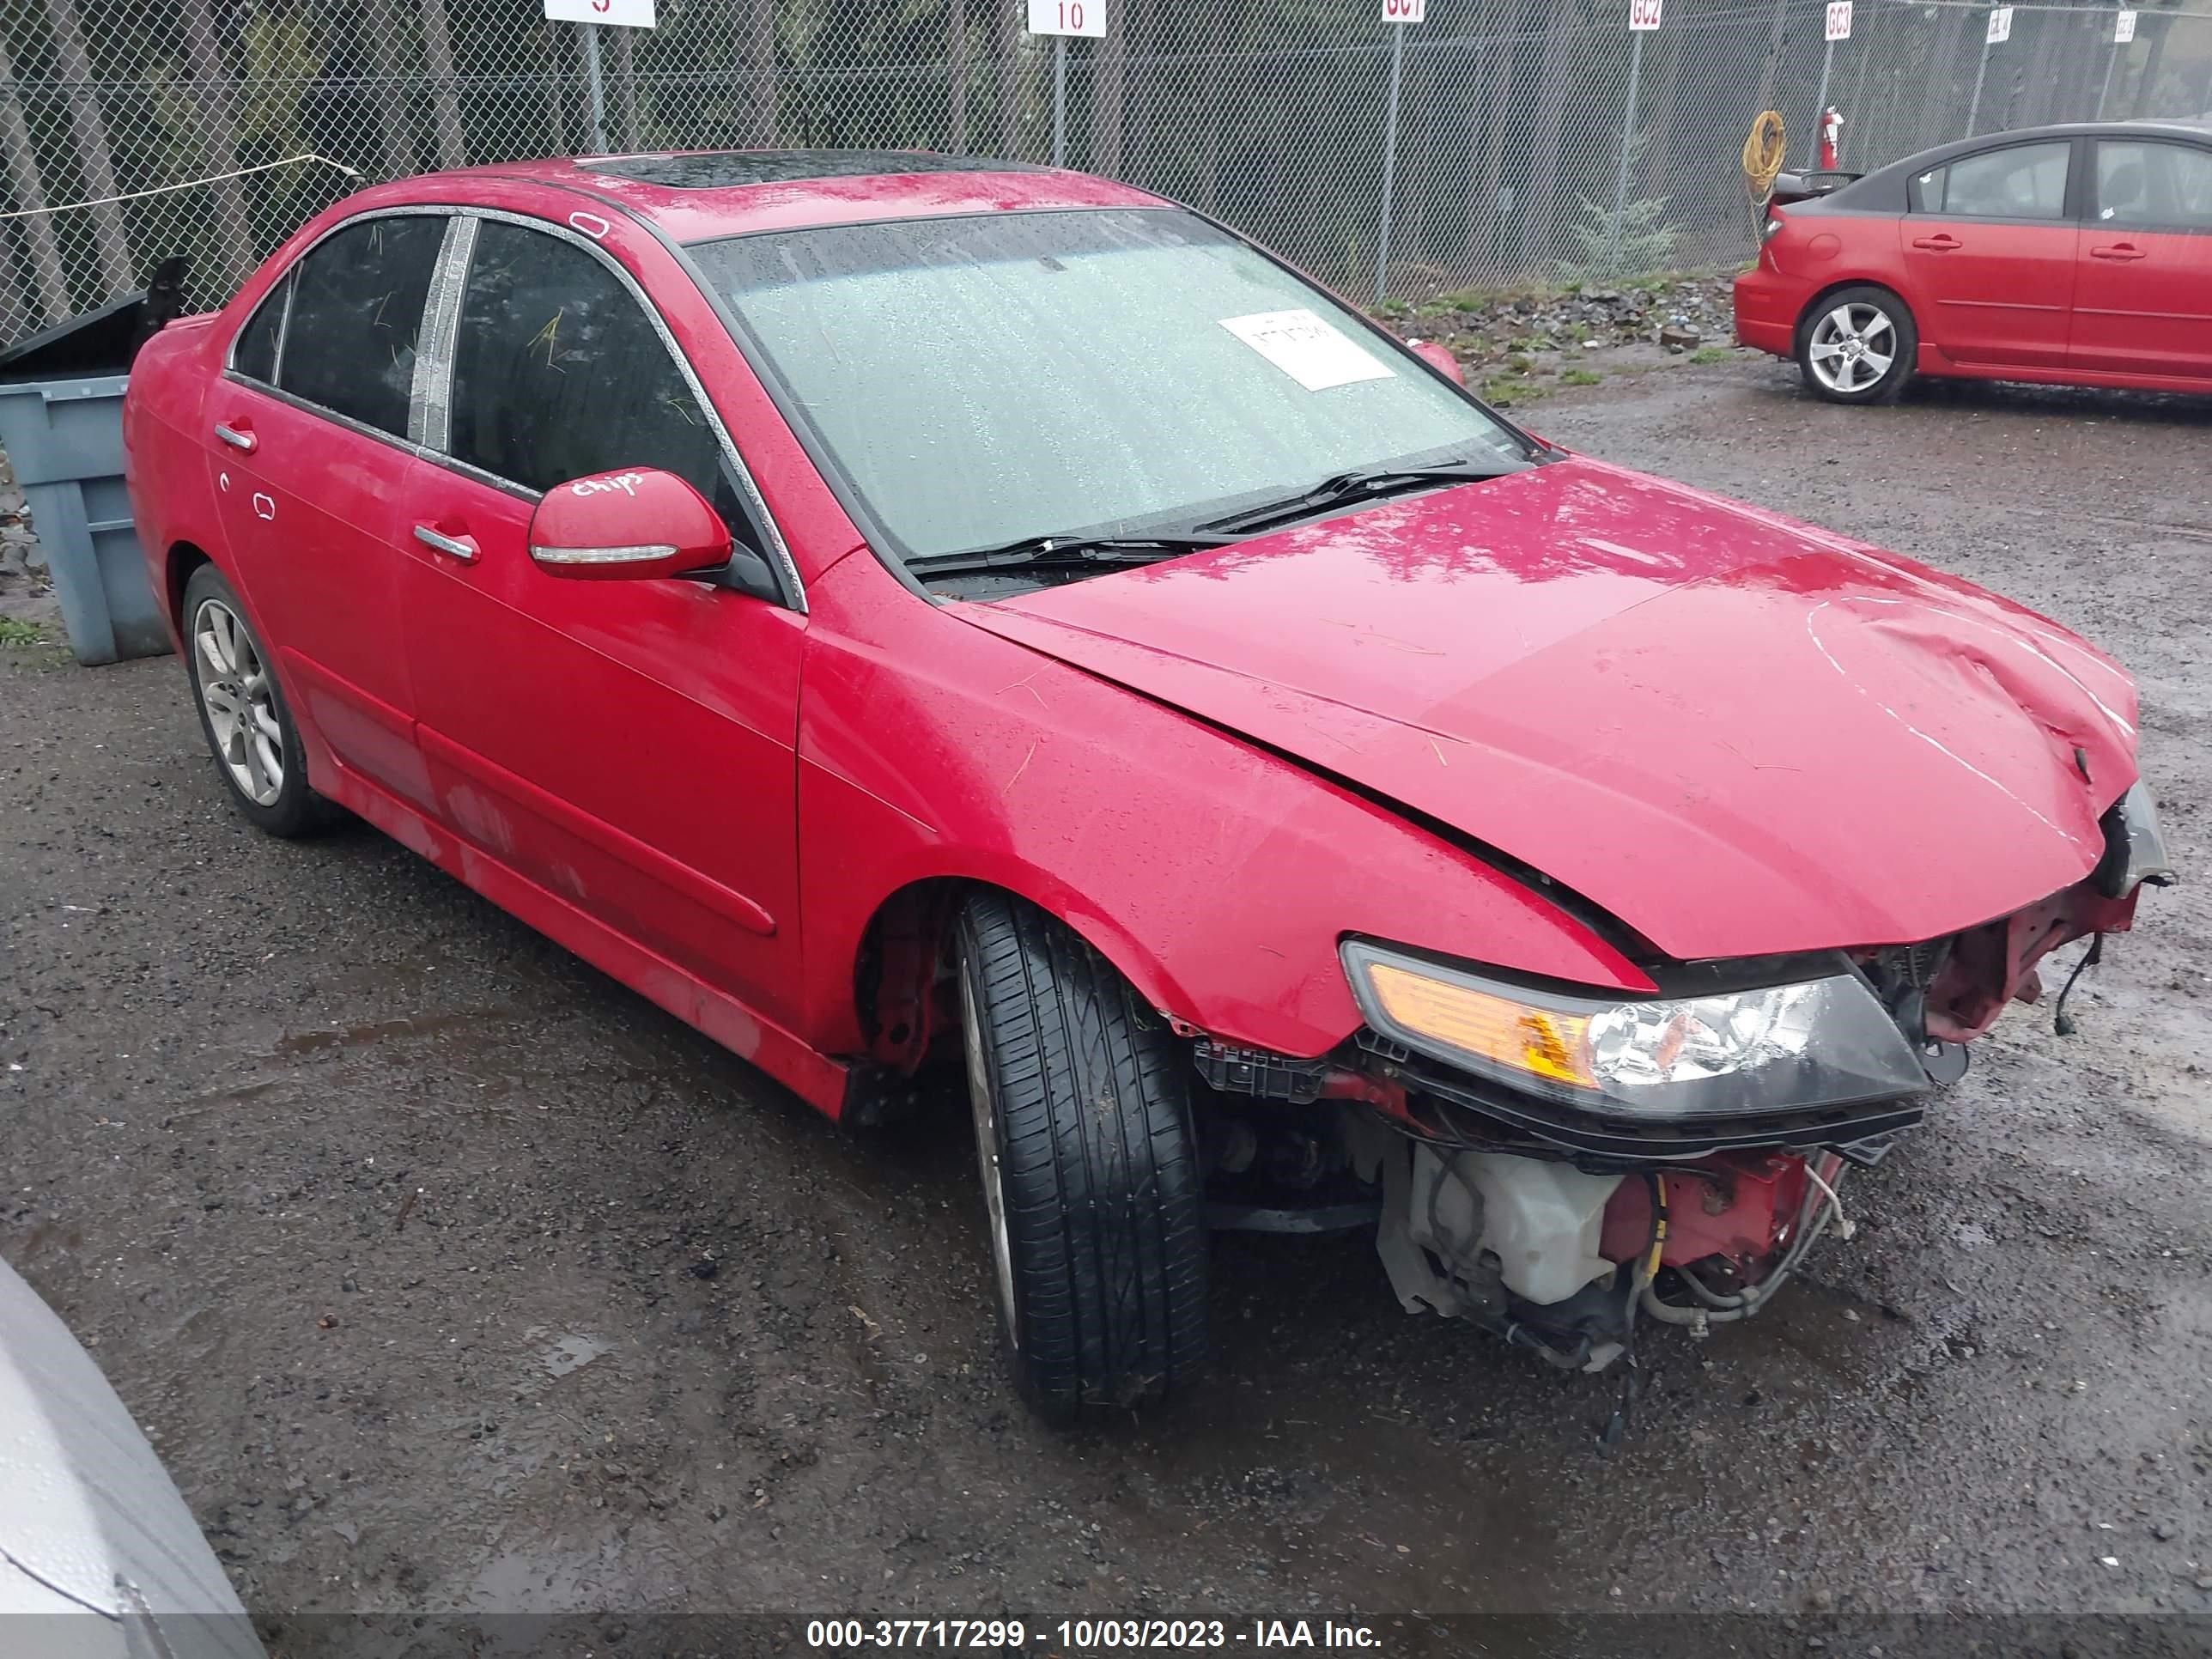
(1308, 349)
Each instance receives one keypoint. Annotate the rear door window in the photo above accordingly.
(2023, 181)
(357, 316)
(2154, 185)
(256, 353)
(558, 372)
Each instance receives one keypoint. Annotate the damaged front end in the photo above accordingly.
(1551, 1161)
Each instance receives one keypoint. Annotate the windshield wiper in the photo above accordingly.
(1033, 551)
(1369, 484)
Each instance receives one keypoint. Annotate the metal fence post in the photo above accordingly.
(1060, 100)
(2112, 62)
(1389, 159)
(1981, 71)
(1821, 105)
(597, 87)
(1627, 150)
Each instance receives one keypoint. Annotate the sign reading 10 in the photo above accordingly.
(1086, 18)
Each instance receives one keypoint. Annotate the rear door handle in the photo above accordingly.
(239, 438)
(463, 548)
(2118, 251)
(1938, 244)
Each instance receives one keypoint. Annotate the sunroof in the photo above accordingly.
(726, 169)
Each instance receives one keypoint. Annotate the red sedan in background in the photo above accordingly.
(897, 611)
(2075, 255)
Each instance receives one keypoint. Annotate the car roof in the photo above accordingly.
(1883, 190)
(702, 195)
(2179, 129)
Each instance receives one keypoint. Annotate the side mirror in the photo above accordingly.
(637, 523)
(1439, 359)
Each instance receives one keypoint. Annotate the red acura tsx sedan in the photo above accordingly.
(2073, 255)
(897, 611)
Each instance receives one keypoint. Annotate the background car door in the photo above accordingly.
(309, 448)
(626, 744)
(1989, 254)
(2143, 303)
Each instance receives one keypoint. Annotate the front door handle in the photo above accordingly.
(463, 548)
(239, 438)
(1938, 243)
(2123, 251)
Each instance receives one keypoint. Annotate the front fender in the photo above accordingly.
(1216, 875)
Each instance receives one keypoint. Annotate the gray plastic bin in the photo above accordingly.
(64, 437)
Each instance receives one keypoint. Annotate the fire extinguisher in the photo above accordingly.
(1832, 134)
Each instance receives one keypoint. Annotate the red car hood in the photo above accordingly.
(1738, 734)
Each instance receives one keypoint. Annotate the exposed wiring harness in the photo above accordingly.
(1820, 1209)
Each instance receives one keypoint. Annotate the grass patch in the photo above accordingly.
(1506, 390)
(1710, 355)
(14, 630)
(1580, 377)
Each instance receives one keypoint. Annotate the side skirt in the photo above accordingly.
(815, 1078)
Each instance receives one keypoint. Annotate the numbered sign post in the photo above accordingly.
(2124, 34)
(1643, 18)
(1063, 19)
(587, 15)
(1999, 31)
(1839, 28)
(1399, 12)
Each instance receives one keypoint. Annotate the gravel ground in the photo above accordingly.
(448, 1275)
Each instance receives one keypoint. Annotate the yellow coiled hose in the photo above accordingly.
(1762, 156)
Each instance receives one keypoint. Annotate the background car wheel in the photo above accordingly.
(1858, 346)
(242, 713)
(1090, 1176)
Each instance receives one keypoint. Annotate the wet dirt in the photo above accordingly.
(448, 1275)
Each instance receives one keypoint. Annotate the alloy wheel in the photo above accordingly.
(1852, 348)
(986, 1154)
(241, 699)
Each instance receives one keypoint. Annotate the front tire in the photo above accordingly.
(249, 729)
(1089, 1167)
(1858, 346)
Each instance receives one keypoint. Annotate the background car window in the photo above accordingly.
(2027, 181)
(257, 342)
(558, 373)
(357, 311)
(2141, 184)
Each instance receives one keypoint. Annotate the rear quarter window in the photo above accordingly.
(255, 355)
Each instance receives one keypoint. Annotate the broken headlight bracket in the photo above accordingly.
(1259, 1072)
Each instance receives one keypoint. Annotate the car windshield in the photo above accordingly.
(975, 382)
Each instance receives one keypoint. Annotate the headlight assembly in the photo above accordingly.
(1820, 1042)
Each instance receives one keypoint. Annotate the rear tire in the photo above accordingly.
(1089, 1166)
(1842, 339)
(249, 729)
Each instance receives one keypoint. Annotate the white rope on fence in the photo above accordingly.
(189, 184)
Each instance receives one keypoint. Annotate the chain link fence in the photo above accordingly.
(1524, 155)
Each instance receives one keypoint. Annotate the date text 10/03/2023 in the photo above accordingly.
(1086, 1636)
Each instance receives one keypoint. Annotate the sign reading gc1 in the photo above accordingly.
(1403, 11)
(1086, 18)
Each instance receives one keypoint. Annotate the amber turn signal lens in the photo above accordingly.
(1541, 1041)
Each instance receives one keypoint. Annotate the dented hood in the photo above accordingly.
(1738, 734)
